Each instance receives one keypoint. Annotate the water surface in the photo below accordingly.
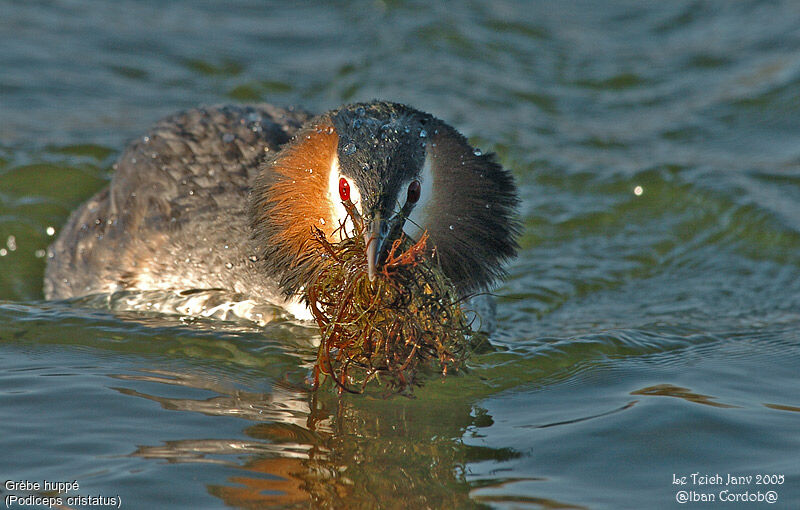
(649, 328)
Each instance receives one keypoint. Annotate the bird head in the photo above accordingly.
(405, 172)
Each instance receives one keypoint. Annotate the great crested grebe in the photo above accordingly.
(224, 198)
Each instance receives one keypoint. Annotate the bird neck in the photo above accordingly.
(470, 212)
(289, 198)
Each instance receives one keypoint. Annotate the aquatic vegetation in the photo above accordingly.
(407, 319)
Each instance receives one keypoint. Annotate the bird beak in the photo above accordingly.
(371, 242)
(378, 238)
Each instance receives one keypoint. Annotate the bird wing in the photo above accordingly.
(176, 193)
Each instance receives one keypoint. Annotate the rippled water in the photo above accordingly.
(649, 328)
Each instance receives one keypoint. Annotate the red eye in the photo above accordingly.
(414, 189)
(344, 189)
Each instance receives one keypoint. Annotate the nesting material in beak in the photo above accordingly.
(383, 321)
(379, 238)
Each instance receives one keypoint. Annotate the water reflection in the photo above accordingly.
(284, 403)
(669, 390)
(783, 407)
(322, 450)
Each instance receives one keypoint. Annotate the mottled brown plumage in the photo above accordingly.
(226, 197)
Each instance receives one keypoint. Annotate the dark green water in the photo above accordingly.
(650, 327)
